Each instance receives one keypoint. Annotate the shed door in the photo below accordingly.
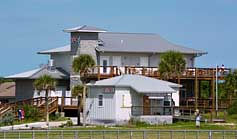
(146, 106)
(144, 61)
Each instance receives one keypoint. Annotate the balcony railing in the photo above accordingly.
(111, 71)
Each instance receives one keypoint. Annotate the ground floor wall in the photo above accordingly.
(26, 90)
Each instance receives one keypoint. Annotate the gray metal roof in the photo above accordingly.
(133, 43)
(84, 28)
(56, 73)
(140, 42)
(66, 48)
(139, 83)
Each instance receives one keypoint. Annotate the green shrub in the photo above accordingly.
(8, 118)
(233, 108)
(31, 113)
(69, 123)
(54, 116)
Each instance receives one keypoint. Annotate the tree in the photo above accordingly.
(78, 91)
(230, 85)
(81, 65)
(45, 83)
(172, 65)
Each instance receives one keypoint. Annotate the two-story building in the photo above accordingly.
(115, 54)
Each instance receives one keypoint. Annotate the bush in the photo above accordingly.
(8, 118)
(233, 108)
(31, 113)
(69, 123)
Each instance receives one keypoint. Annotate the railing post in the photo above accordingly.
(47, 136)
(144, 134)
(130, 134)
(197, 134)
(90, 134)
(117, 134)
(209, 135)
(103, 134)
(33, 134)
(223, 135)
(184, 134)
(4, 134)
(171, 134)
(76, 135)
(61, 134)
(19, 135)
(158, 135)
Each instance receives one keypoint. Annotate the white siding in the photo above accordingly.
(123, 113)
(95, 112)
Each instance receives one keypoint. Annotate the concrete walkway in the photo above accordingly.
(37, 125)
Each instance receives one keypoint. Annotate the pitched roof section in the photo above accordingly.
(84, 28)
(141, 84)
(133, 43)
(66, 48)
(140, 43)
(57, 73)
(7, 89)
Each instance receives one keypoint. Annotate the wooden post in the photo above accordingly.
(196, 88)
(98, 74)
(213, 92)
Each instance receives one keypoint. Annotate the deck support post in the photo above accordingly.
(98, 74)
(213, 91)
(196, 88)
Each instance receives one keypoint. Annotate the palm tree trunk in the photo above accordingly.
(84, 104)
(47, 108)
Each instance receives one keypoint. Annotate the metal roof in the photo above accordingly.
(7, 89)
(84, 28)
(57, 73)
(140, 43)
(133, 43)
(139, 83)
(66, 48)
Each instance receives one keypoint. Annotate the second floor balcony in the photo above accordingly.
(102, 72)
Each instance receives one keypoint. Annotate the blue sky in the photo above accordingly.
(28, 26)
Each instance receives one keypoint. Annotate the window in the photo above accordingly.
(100, 101)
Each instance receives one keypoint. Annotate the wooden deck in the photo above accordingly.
(101, 72)
(55, 104)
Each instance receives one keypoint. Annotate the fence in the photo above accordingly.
(119, 134)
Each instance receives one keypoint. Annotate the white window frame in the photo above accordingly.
(100, 100)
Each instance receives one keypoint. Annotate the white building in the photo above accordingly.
(118, 99)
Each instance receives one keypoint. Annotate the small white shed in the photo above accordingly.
(118, 99)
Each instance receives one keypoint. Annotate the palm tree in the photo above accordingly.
(78, 91)
(172, 65)
(45, 83)
(81, 65)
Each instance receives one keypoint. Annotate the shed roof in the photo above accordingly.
(57, 73)
(139, 83)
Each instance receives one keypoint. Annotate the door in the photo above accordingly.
(146, 106)
(104, 62)
(144, 61)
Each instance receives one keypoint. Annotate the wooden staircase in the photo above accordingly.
(36, 102)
